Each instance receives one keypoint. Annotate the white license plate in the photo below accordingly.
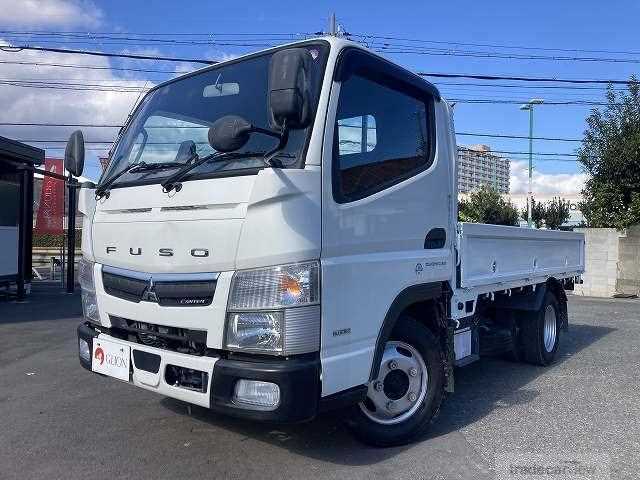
(111, 358)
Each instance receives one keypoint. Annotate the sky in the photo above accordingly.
(417, 30)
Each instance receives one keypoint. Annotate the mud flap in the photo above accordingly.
(449, 360)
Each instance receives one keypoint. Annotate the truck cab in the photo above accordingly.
(277, 235)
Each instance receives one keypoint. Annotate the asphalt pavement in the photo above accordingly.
(60, 421)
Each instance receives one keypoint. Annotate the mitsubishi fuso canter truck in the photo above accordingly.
(276, 235)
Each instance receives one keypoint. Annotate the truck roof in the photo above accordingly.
(334, 42)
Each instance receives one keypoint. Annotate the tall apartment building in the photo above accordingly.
(478, 166)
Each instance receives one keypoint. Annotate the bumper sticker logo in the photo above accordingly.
(99, 355)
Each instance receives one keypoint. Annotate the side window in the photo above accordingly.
(382, 137)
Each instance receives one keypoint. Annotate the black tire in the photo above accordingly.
(370, 432)
(532, 339)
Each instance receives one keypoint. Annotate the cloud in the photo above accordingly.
(544, 183)
(56, 13)
(59, 106)
(218, 54)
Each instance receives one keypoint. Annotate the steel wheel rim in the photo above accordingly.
(402, 408)
(550, 328)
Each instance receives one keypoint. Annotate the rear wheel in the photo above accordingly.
(540, 332)
(406, 395)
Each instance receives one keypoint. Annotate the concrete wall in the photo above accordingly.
(612, 262)
(628, 281)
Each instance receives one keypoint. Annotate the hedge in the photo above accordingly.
(49, 240)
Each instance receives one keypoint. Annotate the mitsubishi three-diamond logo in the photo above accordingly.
(149, 295)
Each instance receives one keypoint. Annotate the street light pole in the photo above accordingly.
(529, 106)
(530, 193)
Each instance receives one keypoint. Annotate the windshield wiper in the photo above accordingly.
(173, 182)
(103, 188)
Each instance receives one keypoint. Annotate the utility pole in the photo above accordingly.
(530, 196)
(333, 29)
(529, 106)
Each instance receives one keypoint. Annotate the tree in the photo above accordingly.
(538, 213)
(556, 213)
(551, 214)
(486, 205)
(610, 155)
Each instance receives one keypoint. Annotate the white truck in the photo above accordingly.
(276, 235)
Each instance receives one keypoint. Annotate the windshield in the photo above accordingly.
(172, 122)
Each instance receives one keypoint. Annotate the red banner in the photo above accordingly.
(51, 207)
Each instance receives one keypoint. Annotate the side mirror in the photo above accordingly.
(229, 133)
(74, 154)
(290, 88)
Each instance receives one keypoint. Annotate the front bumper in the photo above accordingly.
(297, 377)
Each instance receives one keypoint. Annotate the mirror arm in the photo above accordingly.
(265, 131)
(283, 138)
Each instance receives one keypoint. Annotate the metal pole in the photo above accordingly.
(71, 235)
(530, 195)
(332, 25)
(23, 233)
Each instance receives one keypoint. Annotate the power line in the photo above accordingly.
(72, 85)
(525, 86)
(151, 42)
(134, 89)
(76, 88)
(176, 143)
(391, 49)
(492, 45)
(536, 153)
(156, 34)
(524, 137)
(293, 35)
(92, 67)
(15, 49)
(116, 125)
(503, 56)
(378, 43)
(45, 124)
(73, 81)
(491, 101)
(523, 79)
(18, 48)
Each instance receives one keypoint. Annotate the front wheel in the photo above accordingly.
(407, 394)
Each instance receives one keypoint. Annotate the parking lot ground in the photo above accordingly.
(59, 421)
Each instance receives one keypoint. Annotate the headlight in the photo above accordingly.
(260, 331)
(88, 290)
(262, 317)
(275, 287)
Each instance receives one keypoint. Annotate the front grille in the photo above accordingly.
(177, 290)
(160, 336)
(123, 287)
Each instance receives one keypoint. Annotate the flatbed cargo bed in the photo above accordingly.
(497, 256)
